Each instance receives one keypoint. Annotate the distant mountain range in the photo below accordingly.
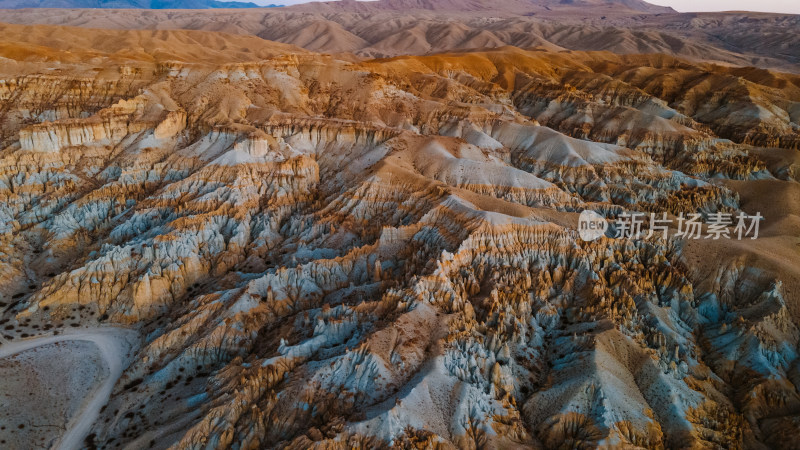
(508, 6)
(127, 4)
(385, 28)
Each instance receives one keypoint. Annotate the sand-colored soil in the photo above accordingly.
(41, 388)
(53, 387)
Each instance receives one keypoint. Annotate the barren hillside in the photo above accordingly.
(318, 252)
(399, 27)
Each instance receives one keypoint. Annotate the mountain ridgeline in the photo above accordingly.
(126, 4)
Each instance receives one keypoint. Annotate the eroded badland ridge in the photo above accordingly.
(326, 251)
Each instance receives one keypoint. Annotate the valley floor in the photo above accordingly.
(53, 387)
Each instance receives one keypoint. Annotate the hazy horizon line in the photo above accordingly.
(784, 7)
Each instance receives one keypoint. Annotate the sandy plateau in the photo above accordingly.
(42, 388)
(53, 387)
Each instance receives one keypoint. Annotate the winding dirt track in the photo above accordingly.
(115, 345)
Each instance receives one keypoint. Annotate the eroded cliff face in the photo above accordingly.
(321, 254)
